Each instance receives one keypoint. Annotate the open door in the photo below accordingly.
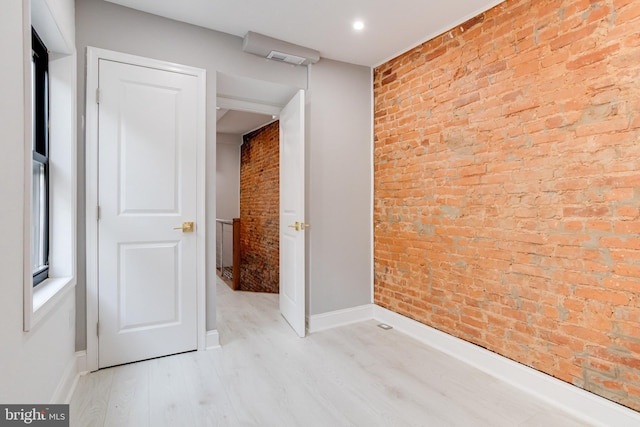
(292, 219)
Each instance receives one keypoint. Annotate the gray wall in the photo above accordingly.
(228, 175)
(339, 192)
(339, 146)
(227, 189)
(109, 26)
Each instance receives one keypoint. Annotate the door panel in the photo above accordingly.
(292, 241)
(149, 271)
(146, 188)
(288, 276)
(149, 137)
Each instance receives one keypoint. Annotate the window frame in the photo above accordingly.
(41, 301)
(40, 146)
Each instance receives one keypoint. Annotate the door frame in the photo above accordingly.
(94, 55)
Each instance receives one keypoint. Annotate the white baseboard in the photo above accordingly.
(333, 319)
(212, 340)
(580, 403)
(69, 378)
(81, 362)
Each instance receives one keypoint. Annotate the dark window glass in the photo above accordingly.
(40, 162)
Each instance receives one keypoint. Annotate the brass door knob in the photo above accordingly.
(299, 226)
(296, 225)
(187, 227)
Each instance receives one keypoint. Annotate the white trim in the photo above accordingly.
(27, 273)
(372, 267)
(37, 302)
(81, 363)
(93, 56)
(213, 340)
(333, 319)
(69, 380)
(229, 103)
(91, 181)
(201, 208)
(580, 403)
(47, 295)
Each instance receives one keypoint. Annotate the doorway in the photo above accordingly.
(239, 98)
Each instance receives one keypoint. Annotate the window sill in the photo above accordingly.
(47, 296)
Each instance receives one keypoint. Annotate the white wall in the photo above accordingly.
(227, 187)
(339, 186)
(33, 364)
(228, 175)
(109, 26)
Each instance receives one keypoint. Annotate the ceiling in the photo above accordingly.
(240, 122)
(245, 104)
(390, 28)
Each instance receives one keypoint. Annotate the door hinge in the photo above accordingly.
(98, 95)
(98, 213)
(97, 329)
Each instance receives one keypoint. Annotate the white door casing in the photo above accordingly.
(145, 279)
(292, 214)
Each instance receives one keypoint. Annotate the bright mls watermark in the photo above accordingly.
(34, 415)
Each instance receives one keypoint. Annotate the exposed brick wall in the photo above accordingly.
(507, 188)
(260, 210)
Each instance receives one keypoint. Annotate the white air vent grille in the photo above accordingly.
(275, 49)
(285, 57)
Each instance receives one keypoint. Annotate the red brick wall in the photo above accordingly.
(507, 188)
(260, 210)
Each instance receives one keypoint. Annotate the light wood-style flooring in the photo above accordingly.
(264, 375)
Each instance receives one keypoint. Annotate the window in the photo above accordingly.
(40, 162)
(50, 162)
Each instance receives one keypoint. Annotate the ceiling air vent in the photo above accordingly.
(286, 57)
(278, 50)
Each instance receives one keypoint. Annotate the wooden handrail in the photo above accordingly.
(235, 276)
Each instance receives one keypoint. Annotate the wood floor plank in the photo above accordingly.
(129, 396)
(168, 402)
(88, 406)
(212, 406)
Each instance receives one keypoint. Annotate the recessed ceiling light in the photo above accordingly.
(358, 25)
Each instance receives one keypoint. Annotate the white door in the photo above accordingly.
(292, 219)
(147, 133)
